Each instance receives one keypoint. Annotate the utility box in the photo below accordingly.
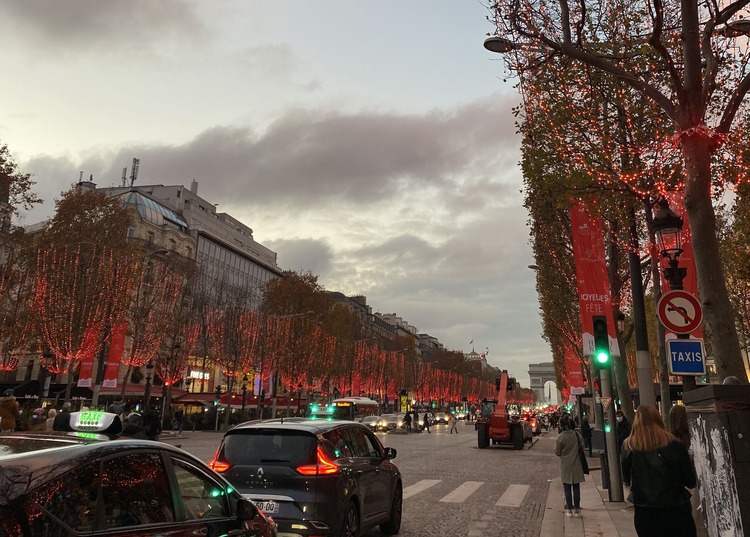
(719, 418)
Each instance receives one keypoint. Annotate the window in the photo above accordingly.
(71, 499)
(202, 497)
(135, 491)
(361, 443)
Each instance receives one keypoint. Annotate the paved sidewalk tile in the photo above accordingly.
(600, 518)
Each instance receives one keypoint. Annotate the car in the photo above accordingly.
(371, 422)
(383, 422)
(93, 482)
(528, 435)
(316, 477)
(395, 421)
(440, 417)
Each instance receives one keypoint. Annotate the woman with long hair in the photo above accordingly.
(571, 471)
(658, 469)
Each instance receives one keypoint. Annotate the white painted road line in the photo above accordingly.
(419, 486)
(462, 492)
(513, 496)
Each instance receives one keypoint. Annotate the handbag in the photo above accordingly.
(582, 456)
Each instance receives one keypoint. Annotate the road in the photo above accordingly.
(452, 488)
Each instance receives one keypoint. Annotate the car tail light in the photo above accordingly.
(322, 467)
(218, 465)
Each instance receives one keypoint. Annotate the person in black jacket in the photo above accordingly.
(658, 469)
(623, 428)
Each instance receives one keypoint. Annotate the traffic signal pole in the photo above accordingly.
(610, 439)
(603, 361)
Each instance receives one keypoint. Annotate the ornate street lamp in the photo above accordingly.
(147, 389)
(668, 230)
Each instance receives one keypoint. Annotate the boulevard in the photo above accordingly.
(452, 488)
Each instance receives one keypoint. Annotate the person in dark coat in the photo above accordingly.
(62, 419)
(134, 427)
(623, 428)
(587, 434)
(658, 469)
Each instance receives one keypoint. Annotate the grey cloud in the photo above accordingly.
(303, 255)
(87, 25)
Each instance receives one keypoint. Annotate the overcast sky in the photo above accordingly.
(371, 142)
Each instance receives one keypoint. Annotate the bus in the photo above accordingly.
(346, 408)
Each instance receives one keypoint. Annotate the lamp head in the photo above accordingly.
(667, 227)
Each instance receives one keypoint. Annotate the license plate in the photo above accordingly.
(270, 508)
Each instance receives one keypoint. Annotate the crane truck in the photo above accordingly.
(494, 425)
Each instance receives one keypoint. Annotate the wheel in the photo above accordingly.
(350, 527)
(516, 436)
(393, 526)
(483, 437)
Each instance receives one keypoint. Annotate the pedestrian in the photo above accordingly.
(50, 419)
(415, 420)
(10, 411)
(678, 426)
(62, 419)
(657, 468)
(453, 421)
(567, 445)
(407, 421)
(427, 421)
(587, 434)
(178, 421)
(133, 427)
(623, 428)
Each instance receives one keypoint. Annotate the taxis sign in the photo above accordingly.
(686, 357)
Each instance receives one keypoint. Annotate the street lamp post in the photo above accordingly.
(668, 230)
(299, 398)
(147, 389)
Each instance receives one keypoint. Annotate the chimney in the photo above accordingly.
(194, 187)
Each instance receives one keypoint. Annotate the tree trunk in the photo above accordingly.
(717, 309)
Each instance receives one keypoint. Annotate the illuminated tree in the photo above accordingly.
(684, 58)
(15, 304)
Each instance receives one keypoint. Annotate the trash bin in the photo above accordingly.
(719, 419)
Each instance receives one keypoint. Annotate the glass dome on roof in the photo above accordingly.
(152, 211)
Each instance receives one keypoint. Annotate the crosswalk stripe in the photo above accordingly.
(419, 486)
(513, 496)
(462, 492)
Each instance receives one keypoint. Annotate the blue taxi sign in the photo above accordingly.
(686, 357)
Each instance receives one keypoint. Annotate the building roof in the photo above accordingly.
(153, 211)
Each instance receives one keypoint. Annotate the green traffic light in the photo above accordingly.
(607, 428)
(602, 357)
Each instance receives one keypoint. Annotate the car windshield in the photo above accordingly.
(269, 446)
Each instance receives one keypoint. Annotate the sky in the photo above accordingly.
(372, 143)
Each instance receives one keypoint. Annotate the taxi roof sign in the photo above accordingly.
(96, 421)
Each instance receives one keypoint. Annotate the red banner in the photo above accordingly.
(573, 371)
(686, 260)
(591, 275)
(116, 348)
(88, 350)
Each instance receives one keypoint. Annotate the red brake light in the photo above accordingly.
(322, 467)
(218, 465)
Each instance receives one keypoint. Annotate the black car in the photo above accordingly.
(86, 483)
(316, 478)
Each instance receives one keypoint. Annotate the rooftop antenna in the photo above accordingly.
(80, 177)
(134, 171)
(124, 173)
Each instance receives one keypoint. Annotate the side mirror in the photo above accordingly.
(390, 453)
(246, 509)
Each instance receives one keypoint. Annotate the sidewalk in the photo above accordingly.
(600, 518)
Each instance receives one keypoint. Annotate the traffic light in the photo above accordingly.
(218, 395)
(601, 341)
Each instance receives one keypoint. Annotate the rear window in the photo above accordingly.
(274, 446)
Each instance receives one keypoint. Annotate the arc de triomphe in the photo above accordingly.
(539, 375)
